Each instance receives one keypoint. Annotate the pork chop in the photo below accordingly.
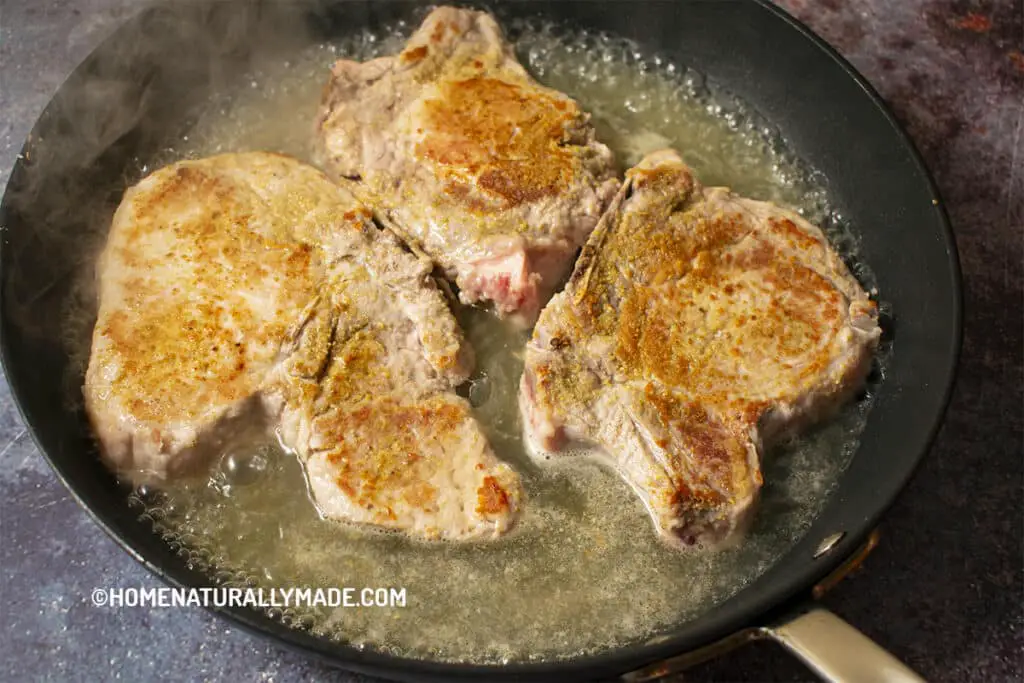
(696, 328)
(250, 291)
(498, 179)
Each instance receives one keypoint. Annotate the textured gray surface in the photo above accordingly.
(944, 589)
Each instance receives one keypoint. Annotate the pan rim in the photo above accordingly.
(627, 657)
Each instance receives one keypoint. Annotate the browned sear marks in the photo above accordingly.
(492, 497)
(501, 137)
(414, 54)
(697, 326)
(384, 450)
(212, 337)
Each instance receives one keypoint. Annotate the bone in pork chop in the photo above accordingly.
(696, 328)
(496, 178)
(250, 289)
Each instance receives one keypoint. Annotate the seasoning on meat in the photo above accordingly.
(697, 327)
(498, 179)
(249, 292)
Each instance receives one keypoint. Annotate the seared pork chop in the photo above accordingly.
(249, 289)
(697, 327)
(496, 178)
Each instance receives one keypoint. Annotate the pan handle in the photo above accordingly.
(836, 651)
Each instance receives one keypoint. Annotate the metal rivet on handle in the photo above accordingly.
(829, 543)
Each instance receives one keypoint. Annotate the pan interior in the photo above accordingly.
(584, 572)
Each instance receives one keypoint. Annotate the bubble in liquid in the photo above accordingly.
(243, 468)
(580, 517)
(479, 391)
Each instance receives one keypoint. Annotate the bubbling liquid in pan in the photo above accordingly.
(584, 571)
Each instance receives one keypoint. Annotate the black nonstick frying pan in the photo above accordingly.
(136, 91)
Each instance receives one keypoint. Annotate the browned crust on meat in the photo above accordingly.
(249, 291)
(503, 138)
(679, 316)
(211, 338)
(492, 498)
(709, 456)
(380, 459)
(710, 311)
(414, 54)
(474, 162)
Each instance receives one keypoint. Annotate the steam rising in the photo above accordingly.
(584, 572)
(122, 109)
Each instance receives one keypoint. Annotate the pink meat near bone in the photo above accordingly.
(495, 177)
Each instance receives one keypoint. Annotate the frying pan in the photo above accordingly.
(139, 89)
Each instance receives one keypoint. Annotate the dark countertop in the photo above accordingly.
(944, 589)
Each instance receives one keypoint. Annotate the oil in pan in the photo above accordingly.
(584, 571)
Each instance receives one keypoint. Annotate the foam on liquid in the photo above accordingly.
(584, 571)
